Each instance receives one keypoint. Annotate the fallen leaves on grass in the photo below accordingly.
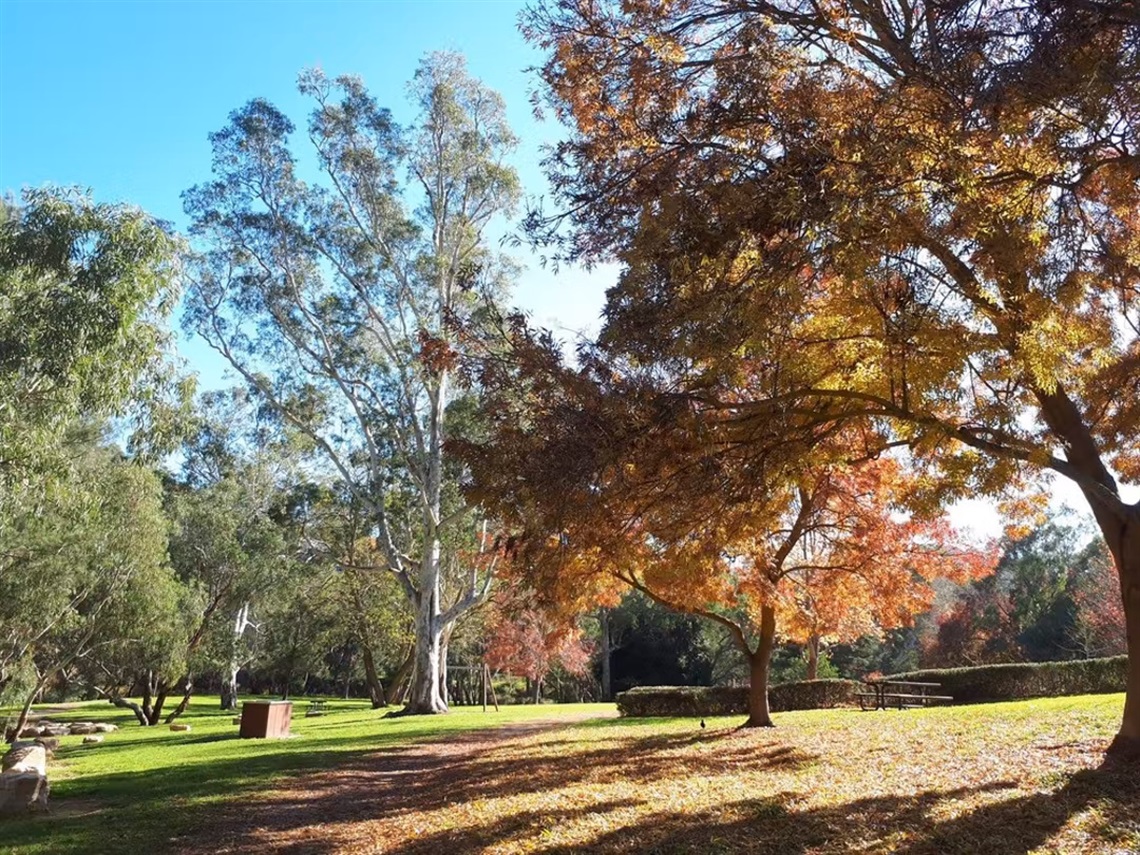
(998, 779)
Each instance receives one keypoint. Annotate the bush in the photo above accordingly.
(813, 695)
(1026, 679)
(733, 700)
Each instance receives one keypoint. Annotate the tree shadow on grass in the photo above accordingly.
(326, 812)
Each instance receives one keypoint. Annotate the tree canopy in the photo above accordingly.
(920, 217)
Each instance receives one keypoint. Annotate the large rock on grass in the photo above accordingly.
(23, 792)
(101, 727)
(82, 728)
(25, 757)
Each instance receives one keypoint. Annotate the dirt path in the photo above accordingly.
(346, 808)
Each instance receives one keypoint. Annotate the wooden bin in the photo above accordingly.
(266, 719)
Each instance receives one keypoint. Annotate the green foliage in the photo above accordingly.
(730, 700)
(657, 646)
(1013, 681)
(85, 576)
(85, 293)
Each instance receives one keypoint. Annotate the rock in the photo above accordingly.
(30, 732)
(93, 740)
(100, 727)
(25, 757)
(82, 728)
(55, 730)
(182, 728)
(50, 744)
(22, 792)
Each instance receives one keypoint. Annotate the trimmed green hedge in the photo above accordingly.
(733, 700)
(1025, 679)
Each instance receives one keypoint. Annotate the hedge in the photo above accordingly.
(733, 700)
(1025, 679)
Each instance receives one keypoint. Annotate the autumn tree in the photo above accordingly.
(337, 302)
(928, 210)
(609, 494)
(528, 641)
(1100, 626)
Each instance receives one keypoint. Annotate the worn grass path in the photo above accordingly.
(999, 779)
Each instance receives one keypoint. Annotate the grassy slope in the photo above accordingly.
(998, 778)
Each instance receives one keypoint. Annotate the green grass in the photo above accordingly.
(142, 789)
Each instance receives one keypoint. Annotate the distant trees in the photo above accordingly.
(1047, 600)
(523, 640)
(339, 304)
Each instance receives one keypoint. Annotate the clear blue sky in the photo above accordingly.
(119, 96)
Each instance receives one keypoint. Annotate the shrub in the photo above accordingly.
(1026, 679)
(812, 695)
(733, 700)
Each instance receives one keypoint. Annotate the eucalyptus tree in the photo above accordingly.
(85, 293)
(84, 570)
(341, 303)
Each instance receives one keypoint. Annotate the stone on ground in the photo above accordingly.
(93, 740)
(22, 792)
(184, 728)
(25, 757)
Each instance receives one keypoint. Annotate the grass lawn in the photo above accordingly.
(1000, 778)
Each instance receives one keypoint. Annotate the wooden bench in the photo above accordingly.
(899, 694)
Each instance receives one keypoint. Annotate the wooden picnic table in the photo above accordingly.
(901, 694)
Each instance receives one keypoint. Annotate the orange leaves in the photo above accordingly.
(526, 640)
(861, 566)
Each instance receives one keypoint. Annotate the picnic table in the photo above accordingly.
(900, 694)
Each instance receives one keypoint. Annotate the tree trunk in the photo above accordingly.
(1126, 553)
(187, 684)
(606, 655)
(444, 642)
(25, 711)
(400, 679)
(813, 658)
(229, 685)
(537, 691)
(425, 695)
(123, 703)
(758, 661)
(156, 710)
(375, 687)
(230, 688)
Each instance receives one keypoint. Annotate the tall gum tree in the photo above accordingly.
(944, 194)
(337, 302)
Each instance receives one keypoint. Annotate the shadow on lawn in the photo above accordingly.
(376, 788)
(396, 781)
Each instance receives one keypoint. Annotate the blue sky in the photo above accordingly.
(119, 97)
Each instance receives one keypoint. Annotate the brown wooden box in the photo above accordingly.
(265, 719)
